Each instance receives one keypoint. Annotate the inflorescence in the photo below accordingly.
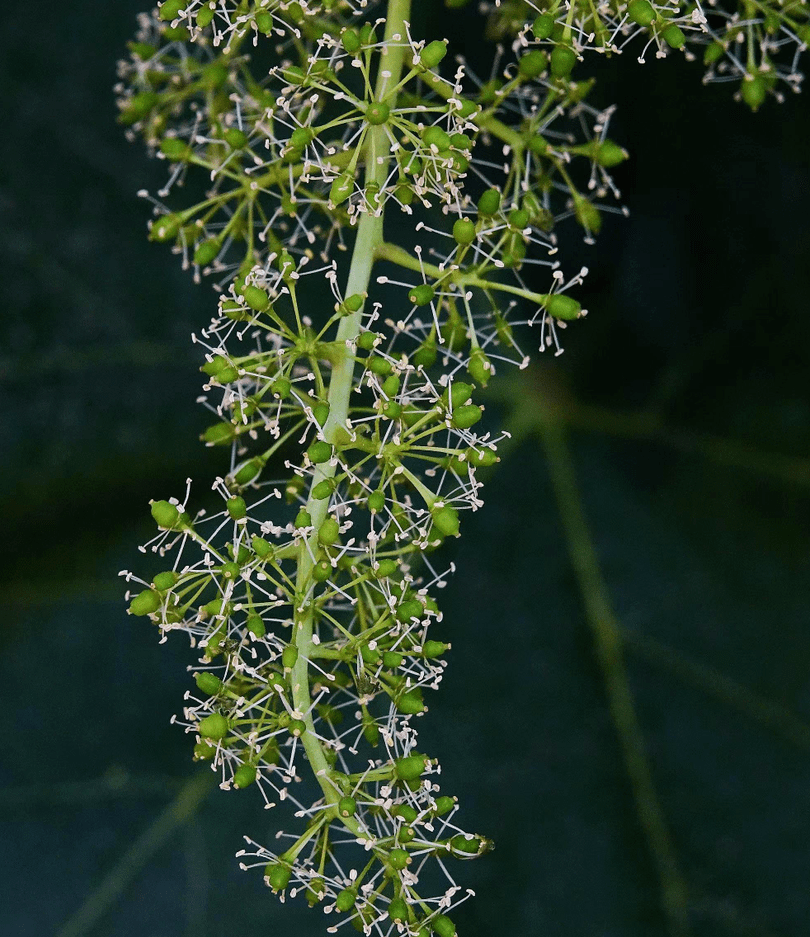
(354, 362)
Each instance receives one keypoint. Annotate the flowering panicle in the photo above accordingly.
(344, 388)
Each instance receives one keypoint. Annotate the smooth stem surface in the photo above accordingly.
(369, 236)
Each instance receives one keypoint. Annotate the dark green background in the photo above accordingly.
(699, 314)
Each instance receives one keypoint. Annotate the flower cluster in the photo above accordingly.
(754, 43)
(344, 386)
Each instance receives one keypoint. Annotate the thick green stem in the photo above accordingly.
(369, 236)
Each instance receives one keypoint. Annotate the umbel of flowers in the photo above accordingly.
(350, 362)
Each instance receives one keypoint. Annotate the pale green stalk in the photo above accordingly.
(369, 236)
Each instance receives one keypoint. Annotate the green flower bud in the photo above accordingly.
(176, 150)
(587, 214)
(244, 776)
(204, 751)
(532, 63)
(329, 532)
(164, 581)
(411, 608)
(466, 416)
(490, 202)
(165, 228)
(213, 727)
(560, 306)
(347, 806)
(207, 252)
(342, 188)
(297, 727)
(303, 518)
(366, 340)
(386, 568)
(398, 910)
(319, 451)
(205, 16)
(411, 767)
(277, 875)
(398, 859)
(479, 367)
(641, 12)
(421, 295)
(144, 603)
(315, 892)
(376, 501)
(209, 683)
(443, 926)
(713, 52)
(323, 489)
(459, 393)
(444, 804)
(609, 154)
(563, 60)
(434, 648)
(379, 365)
(464, 231)
(345, 900)
(446, 521)
(411, 703)
(256, 298)
(165, 515)
(433, 53)
(754, 91)
(426, 354)
(468, 845)
(350, 40)
(377, 113)
(435, 136)
(673, 36)
(248, 471)
(237, 508)
(170, 9)
(289, 656)
(235, 138)
(392, 659)
(543, 26)
(255, 626)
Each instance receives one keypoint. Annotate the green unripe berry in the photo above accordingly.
(244, 776)
(443, 926)
(392, 659)
(289, 657)
(205, 16)
(214, 727)
(174, 149)
(408, 610)
(479, 367)
(379, 365)
(165, 515)
(165, 228)
(342, 188)
(464, 231)
(532, 63)
(433, 53)
(297, 727)
(281, 387)
(323, 489)
(421, 295)
(610, 154)
(319, 451)
(446, 521)
(542, 26)
(144, 603)
(641, 12)
(560, 306)
(587, 214)
(366, 340)
(303, 519)
(563, 60)
(673, 36)
(426, 354)
(209, 683)
(347, 806)
(248, 471)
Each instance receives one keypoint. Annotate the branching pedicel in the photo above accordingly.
(311, 598)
